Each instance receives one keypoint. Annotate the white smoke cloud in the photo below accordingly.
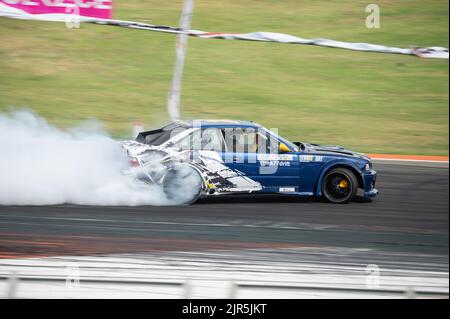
(43, 165)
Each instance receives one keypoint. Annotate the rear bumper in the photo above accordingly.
(370, 178)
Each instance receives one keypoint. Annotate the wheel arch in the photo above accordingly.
(201, 173)
(348, 165)
(194, 166)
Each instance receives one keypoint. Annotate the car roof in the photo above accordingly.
(214, 123)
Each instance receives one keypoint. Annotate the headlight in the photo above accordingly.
(367, 167)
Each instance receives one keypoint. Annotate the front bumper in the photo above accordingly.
(370, 177)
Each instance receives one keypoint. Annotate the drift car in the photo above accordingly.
(208, 158)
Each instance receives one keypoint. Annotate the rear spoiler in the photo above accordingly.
(141, 138)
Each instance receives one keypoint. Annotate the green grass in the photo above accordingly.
(366, 101)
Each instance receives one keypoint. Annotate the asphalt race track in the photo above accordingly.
(409, 216)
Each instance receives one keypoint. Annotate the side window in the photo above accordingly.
(241, 140)
(268, 144)
(209, 140)
(212, 140)
(249, 140)
(186, 143)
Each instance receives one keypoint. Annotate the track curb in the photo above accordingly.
(410, 158)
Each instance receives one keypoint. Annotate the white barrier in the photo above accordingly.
(185, 287)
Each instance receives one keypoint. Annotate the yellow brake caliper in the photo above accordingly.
(343, 184)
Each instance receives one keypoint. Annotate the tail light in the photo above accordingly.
(134, 162)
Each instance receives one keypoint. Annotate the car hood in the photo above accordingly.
(331, 150)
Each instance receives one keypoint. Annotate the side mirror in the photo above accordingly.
(282, 148)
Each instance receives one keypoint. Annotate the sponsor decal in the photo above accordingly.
(274, 163)
(310, 158)
(274, 157)
(287, 189)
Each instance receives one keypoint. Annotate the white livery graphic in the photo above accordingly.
(201, 172)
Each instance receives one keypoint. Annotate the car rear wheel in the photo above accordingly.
(182, 184)
(339, 185)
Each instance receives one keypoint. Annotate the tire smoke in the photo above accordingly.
(43, 165)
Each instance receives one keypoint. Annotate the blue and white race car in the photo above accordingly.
(209, 158)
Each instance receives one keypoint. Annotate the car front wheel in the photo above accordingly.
(339, 185)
